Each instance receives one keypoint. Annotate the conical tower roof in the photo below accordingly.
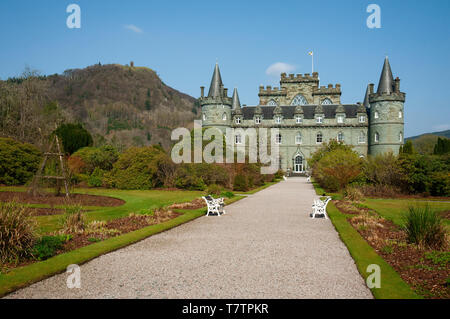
(366, 98)
(236, 104)
(215, 89)
(386, 84)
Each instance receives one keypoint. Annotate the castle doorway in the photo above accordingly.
(298, 164)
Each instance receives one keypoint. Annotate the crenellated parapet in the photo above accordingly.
(395, 95)
(329, 90)
(269, 91)
(208, 100)
(299, 78)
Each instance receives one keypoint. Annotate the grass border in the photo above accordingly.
(27, 275)
(392, 285)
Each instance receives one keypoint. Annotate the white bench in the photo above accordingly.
(320, 207)
(214, 205)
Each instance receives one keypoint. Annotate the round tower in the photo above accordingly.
(216, 106)
(386, 123)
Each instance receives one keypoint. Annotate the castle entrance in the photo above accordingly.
(298, 164)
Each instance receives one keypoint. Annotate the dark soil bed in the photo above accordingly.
(389, 241)
(44, 211)
(50, 199)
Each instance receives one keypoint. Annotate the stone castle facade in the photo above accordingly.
(308, 115)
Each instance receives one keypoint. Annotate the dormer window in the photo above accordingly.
(319, 119)
(238, 120)
(258, 120)
(278, 119)
(362, 119)
(298, 119)
(340, 118)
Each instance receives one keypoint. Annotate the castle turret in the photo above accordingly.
(216, 107)
(386, 126)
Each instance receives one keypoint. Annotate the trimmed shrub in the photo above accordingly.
(73, 137)
(16, 232)
(18, 161)
(423, 226)
(47, 246)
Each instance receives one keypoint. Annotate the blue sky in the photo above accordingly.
(181, 40)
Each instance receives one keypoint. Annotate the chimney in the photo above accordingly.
(371, 85)
(202, 91)
(225, 92)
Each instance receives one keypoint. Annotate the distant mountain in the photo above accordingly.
(123, 105)
(425, 143)
(441, 133)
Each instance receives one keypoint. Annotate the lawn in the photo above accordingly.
(135, 201)
(394, 209)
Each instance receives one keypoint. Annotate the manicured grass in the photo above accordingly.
(24, 276)
(392, 285)
(394, 209)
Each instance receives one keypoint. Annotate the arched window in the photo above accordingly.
(298, 138)
(361, 138)
(400, 114)
(377, 137)
(326, 101)
(299, 100)
(204, 117)
(340, 137)
(400, 137)
(272, 103)
(319, 138)
(298, 164)
(224, 116)
(238, 139)
(278, 139)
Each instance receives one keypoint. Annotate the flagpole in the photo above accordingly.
(312, 62)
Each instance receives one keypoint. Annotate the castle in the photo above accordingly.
(308, 115)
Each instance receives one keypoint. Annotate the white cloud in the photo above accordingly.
(133, 28)
(442, 127)
(279, 67)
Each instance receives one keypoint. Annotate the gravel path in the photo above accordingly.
(266, 246)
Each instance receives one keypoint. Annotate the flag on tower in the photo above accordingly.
(311, 53)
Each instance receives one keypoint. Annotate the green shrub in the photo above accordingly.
(16, 232)
(47, 246)
(87, 159)
(423, 227)
(96, 178)
(240, 183)
(227, 194)
(18, 162)
(73, 137)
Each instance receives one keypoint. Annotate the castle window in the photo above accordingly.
(224, 116)
(340, 119)
(299, 100)
(319, 119)
(361, 138)
(278, 139)
(362, 119)
(238, 139)
(272, 103)
(400, 137)
(204, 117)
(298, 138)
(327, 101)
(376, 114)
(377, 137)
(278, 119)
(400, 114)
(238, 120)
(258, 120)
(340, 137)
(319, 138)
(298, 119)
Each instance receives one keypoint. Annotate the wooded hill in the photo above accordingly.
(425, 143)
(123, 105)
